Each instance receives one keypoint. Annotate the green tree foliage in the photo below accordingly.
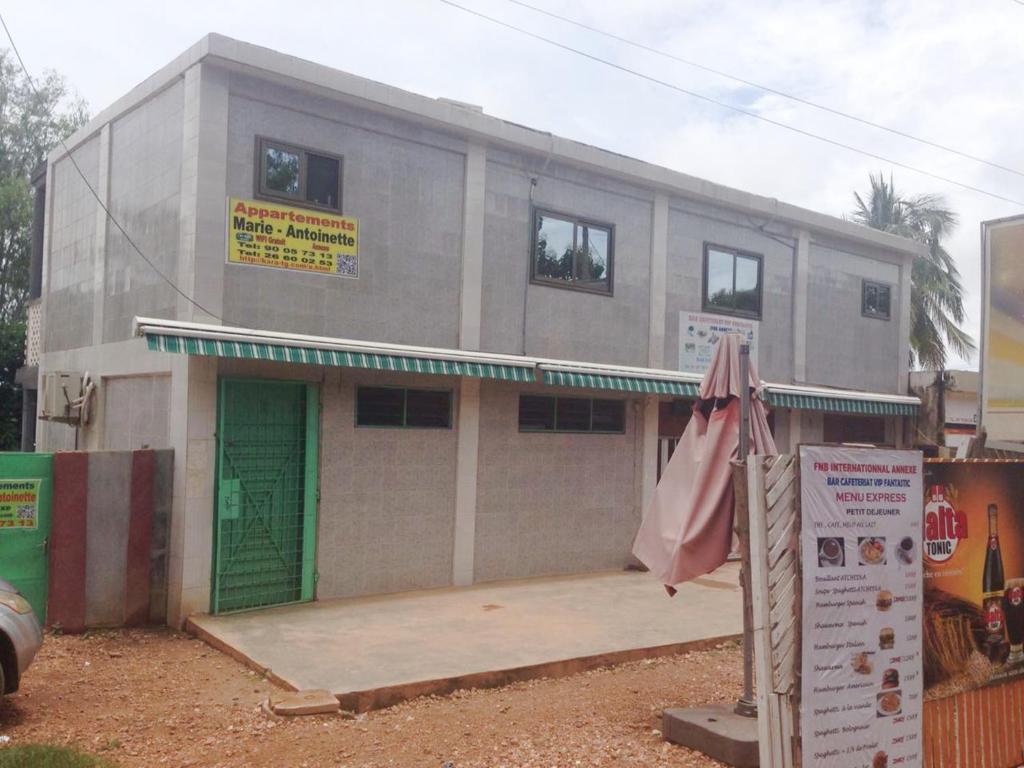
(31, 123)
(573, 264)
(936, 292)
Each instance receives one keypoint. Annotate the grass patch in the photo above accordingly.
(45, 756)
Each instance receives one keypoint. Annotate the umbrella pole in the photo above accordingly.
(746, 705)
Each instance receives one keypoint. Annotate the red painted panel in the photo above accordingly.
(140, 528)
(66, 600)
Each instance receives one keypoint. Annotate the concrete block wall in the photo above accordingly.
(840, 334)
(387, 495)
(405, 186)
(108, 540)
(596, 328)
(68, 273)
(552, 503)
(145, 196)
(690, 226)
(135, 412)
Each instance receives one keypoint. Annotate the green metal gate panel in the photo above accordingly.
(265, 526)
(26, 488)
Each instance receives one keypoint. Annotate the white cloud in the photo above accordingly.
(944, 70)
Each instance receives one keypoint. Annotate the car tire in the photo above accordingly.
(3, 681)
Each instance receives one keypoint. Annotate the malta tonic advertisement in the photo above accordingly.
(861, 540)
(19, 503)
(974, 574)
(266, 234)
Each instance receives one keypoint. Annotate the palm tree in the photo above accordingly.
(936, 293)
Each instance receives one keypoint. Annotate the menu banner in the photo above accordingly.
(973, 575)
(861, 550)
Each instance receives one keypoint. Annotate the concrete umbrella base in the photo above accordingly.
(716, 731)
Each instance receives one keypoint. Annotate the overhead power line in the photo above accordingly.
(766, 88)
(731, 107)
(95, 194)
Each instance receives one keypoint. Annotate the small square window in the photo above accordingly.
(732, 281)
(876, 300)
(298, 175)
(571, 253)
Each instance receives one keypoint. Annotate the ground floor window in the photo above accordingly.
(546, 413)
(843, 428)
(401, 407)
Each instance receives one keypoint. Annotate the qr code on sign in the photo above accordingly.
(348, 265)
(26, 512)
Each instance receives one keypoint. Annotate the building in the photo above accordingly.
(948, 415)
(477, 387)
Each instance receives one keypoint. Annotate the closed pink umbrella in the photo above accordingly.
(687, 529)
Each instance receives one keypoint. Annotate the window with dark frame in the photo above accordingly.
(570, 252)
(732, 281)
(401, 407)
(876, 300)
(547, 413)
(294, 174)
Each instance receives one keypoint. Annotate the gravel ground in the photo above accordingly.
(153, 698)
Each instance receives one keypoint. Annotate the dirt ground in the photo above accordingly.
(153, 698)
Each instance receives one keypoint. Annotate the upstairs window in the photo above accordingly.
(732, 281)
(570, 252)
(544, 413)
(294, 174)
(875, 300)
(399, 407)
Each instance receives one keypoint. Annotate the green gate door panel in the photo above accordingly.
(265, 526)
(23, 546)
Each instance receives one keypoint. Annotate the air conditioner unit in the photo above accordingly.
(60, 391)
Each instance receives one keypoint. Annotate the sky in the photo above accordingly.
(949, 72)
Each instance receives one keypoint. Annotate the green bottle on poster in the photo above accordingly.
(993, 582)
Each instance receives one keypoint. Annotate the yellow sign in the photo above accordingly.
(270, 235)
(19, 503)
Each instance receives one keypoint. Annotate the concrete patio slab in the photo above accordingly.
(376, 651)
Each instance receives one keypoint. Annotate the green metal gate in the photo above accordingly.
(265, 527)
(26, 487)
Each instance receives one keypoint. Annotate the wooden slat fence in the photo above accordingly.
(772, 497)
(982, 728)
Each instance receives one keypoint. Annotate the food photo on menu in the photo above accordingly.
(831, 552)
(871, 550)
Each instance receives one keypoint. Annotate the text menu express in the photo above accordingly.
(861, 688)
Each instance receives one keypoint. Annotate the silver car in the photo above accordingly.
(20, 637)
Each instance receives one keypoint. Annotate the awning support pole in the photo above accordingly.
(746, 705)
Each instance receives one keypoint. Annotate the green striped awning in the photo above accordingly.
(836, 404)
(289, 353)
(620, 383)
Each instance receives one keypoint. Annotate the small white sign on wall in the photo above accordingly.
(698, 332)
